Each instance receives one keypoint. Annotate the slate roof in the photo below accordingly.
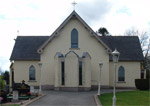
(25, 47)
(129, 47)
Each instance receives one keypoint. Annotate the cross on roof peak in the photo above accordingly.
(74, 4)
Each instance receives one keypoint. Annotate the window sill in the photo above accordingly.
(74, 48)
(121, 82)
(32, 81)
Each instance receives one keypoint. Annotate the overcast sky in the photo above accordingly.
(42, 17)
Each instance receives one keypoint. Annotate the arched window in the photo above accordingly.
(32, 73)
(80, 72)
(121, 74)
(74, 38)
(62, 73)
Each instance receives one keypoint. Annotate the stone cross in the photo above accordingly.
(74, 4)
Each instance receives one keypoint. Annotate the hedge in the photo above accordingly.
(142, 84)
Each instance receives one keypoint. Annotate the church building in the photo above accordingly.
(69, 58)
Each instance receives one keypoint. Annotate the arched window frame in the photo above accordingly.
(74, 38)
(62, 73)
(121, 74)
(32, 73)
(80, 72)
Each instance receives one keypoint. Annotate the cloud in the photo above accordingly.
(4, 63)
(119, 15)
(34, 6)
(94, 10)
(3, 17)
(124, 10)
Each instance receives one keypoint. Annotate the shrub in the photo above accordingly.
(148, 74)
(142, 84)
(3, 94)
(2, 83)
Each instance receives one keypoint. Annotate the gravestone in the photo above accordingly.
(32, 89)
(15, 96)
(22, 88)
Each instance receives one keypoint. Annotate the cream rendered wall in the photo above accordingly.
(132, 71)
(87, 43)
(21, 72)
(86, 66)
(57, 71)
(71, 70)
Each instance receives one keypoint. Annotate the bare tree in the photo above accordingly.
(0, 71)
(144, 39)
(148, 49)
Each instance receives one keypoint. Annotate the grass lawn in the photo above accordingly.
(127, 98)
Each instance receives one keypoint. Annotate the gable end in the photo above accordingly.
(73, 15)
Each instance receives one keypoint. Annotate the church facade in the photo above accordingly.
(70, 58)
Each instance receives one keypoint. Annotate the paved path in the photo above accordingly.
(61, 98)
(66, 98)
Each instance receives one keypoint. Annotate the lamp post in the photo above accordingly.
(40, 65)
(99, 85)
(115, 56)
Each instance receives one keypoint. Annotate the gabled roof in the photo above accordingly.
(128, 46)
(73, 15)
(25, 47)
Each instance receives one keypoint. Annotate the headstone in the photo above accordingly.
(23, 89)
(15, 96)
(32, 89)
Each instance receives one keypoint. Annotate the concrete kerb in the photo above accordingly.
(97, 101)
(30, 101)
